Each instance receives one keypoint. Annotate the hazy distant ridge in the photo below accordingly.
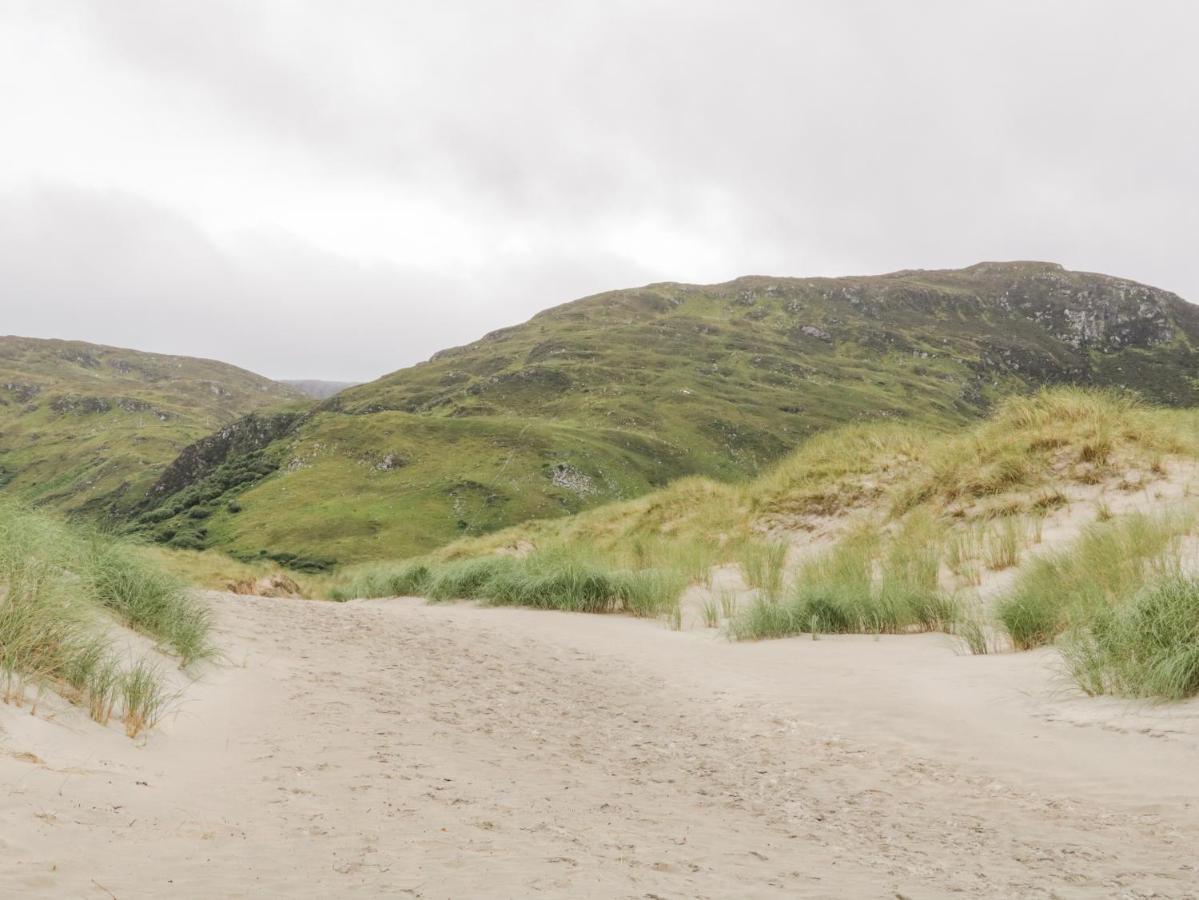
(320, 390)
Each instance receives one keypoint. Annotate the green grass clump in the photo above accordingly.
(148, 600)
(143, 697)
(692, 557)
(466, 579)
(963, 552)
(95, 673)
(410, 579)
(863, 585)
(1003, 543)
(650, 592)
(558, 581)
(41, 628)
(762, 620)
(1148, 647)
(1109, 563)
(56, 586)
(974, 632)
(559, 578)
(570, 586)
(762, 563)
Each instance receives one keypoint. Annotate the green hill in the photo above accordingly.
(611, 396)
(90, 428)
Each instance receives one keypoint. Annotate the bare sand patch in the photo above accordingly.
(393, 748)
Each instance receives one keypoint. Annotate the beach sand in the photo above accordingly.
(394, 748)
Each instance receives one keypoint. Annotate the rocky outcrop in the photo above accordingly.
(245, 436)
(1105, 314)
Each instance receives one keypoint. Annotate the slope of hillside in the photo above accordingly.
(89, 427)
(611, 396)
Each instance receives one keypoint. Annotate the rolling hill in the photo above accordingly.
(89, 428)
(613, 395)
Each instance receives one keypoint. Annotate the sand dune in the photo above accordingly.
(396, 749)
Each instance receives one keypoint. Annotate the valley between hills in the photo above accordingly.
(876, 586)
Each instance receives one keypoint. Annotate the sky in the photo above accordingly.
(337, 190)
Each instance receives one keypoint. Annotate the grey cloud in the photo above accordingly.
(115, 269)
(770, 136)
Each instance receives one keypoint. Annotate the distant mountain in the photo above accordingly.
(89, 427)
(319, 390)
(612, 395)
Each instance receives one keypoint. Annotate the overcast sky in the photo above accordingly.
(338, 189)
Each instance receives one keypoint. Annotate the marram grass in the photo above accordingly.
(1111, 561)
(553, 579)
(1147, 647)
(147, 599)
(866, 584)
(56, 586)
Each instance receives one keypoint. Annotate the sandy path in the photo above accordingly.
(397, 749)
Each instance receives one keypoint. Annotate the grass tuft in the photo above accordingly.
(863, 585)
(1003, 544)
(466, 579)
(148, 600)
(410, 579)
(143, 698)
(1147, 647)
(1109, 563)
(763, 564)
(56, 586)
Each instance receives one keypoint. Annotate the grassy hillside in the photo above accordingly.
(1020, 461)
(612, 396)
(1088, 496)
(86, 427)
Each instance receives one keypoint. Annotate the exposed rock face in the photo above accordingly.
(75, 404)
(1105, 314)
(567, 476)
(246, 435)
(819, 333)
(83, 405)
(391, 461)
(22, 391)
